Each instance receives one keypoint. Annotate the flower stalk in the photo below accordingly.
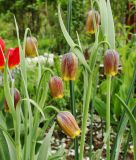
(108, 117)
(85, 116)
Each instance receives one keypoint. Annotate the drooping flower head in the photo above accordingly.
(69, 66)
(16, 100)
(31, 47)
(111, 62)
(13, 56)
(68, 124)
(56, 87)
(93, 16)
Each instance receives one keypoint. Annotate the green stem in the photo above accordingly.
(91, 113)
(108, 117)
(73, 110)
(85, 117)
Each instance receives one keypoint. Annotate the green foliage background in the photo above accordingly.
(41, 17)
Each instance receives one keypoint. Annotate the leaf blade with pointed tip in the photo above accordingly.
(44, 149)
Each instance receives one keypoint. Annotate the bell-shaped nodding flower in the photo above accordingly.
(68, 124)
(93, 20)
(31, 47)
(111, 62)
(69, 66)
(16, 100)
(56, 87)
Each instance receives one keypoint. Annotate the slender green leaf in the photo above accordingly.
(111, 29)
(75, 48)
(44, 149)
(4, 152)
(104, 17)
(132, 122)
(36, 105)
(11, 147)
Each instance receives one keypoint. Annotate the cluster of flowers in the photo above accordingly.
(69, 66)
(66, 120)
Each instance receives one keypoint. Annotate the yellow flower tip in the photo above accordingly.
(59, 96)
(68, 78)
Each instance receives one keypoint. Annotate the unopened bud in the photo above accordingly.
(56, 87)
(111, 62)
(31, 47)
(69, 66)
(93, 20)
(16, 100)
(68, 124)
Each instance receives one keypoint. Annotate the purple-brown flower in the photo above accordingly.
(68, 124)
(56, 87)
(31, 47)
(93, 16)
(16, 100)
(111, 62)
(69, 66)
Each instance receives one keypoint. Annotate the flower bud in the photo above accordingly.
(56, 87)
(111, 62)
(16, 100)
(69, 66)
(31, 47)
(92, 18)
(68, 124)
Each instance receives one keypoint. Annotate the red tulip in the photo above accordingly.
(1, 61)
(2, 47)
(13, 57)
(2, 44)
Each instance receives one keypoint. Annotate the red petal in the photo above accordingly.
(13, 56)
(1, 60)
(2, 44)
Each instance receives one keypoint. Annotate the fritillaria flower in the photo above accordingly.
(69, 66)
(16, 100)
(68, 124)
(31, 47)
(92, 18)
(13, 56)
(111, 62)
(56, 87)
